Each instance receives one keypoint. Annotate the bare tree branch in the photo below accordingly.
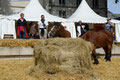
(116, 1)
(5, 7)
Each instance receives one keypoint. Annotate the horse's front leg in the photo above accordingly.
(106, 52)
(94, 57)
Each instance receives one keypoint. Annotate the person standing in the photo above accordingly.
(108, 25)
(21, 27)
(80, 29)
(33, 30)
(42, 25)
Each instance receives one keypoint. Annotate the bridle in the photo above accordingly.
(51, 31)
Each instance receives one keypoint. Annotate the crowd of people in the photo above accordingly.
(42, 31)
(22, 28)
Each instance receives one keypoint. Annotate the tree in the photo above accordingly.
(116, 1)
(5, 7)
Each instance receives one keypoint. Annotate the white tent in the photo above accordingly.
(87, 15)
(33, 12)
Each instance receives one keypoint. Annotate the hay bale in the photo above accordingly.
(69, 56)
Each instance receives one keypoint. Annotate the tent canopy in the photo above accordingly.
(87, 15)
(2, 17)
(33, 12)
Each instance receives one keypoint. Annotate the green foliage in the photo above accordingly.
(116, 1)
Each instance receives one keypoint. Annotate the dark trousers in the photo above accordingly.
(22, 35)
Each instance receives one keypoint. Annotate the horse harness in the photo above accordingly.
(52, 30)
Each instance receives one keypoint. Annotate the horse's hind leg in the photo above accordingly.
(106, 51)
(109, 53)
(94, 57)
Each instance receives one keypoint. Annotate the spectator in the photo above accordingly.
(21, 27)
(33, 31)
(108, 25)
(42, 25)
(80, 29)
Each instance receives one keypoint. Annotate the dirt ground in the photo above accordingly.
(19, 69)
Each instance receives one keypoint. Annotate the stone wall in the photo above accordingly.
(72, 6)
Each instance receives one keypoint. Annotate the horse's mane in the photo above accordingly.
(59, 24)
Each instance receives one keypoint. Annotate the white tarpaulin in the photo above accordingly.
(71, 28)
(7, 27)
(0, 28)
(117, 30)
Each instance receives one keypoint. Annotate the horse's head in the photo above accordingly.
(54, 31)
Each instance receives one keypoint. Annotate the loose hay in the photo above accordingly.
(19, 69)
(18, 42)
(67, 56)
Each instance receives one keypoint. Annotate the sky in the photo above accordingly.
(19, 0)
(112, 6)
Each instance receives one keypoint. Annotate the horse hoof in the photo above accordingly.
(108, 60)
(105, 58)
(96, 62)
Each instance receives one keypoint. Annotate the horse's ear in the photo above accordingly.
(49, 23)
(54, 23)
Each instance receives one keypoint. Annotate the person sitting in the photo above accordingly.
(42, 24)
(21, 27)
(80, 29)
(33, 31)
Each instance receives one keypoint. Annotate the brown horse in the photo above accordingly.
(100, 39)
(57, 30)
